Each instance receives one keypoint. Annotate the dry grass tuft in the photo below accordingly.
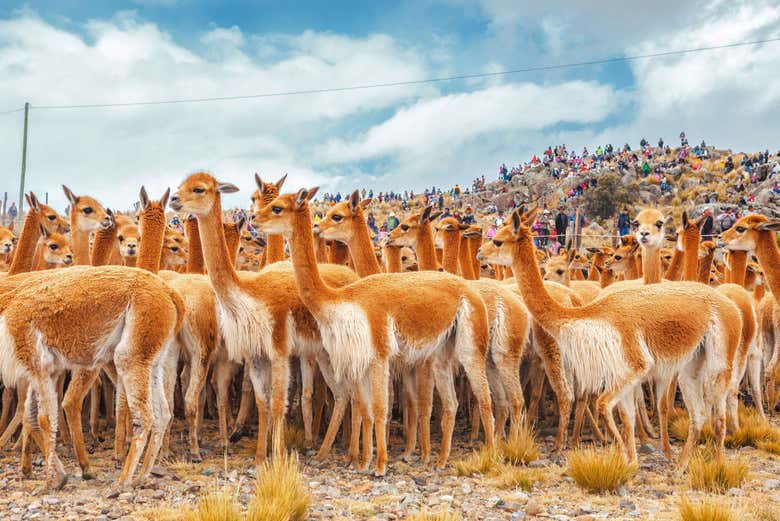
(279, 492)
(599, 471)
(709, 474)
(168, 514)
(219, 505)
(772, 447)
(483, 462)
(441, 515)
(521, 447)
(753, 430)
(294, 438)
(708, 509)
(511, 477)
(765, 514)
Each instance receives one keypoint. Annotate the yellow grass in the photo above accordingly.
(708, 509)
(511, 477)
(167, 514)
(520, 448)
(708, 474)
(219, 505)
(441, 515)
(599, 470)
(753, 430)
(483, 462)
(772, 447)
(279, 492)
(294, 438)
(679, 422)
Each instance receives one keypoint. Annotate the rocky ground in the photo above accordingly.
(341, 493)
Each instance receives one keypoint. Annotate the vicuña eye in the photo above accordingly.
(498, 243)
(51, 217)
(88, 210)
(53, 247)
(740, 229)
(198, 190)
(337, 218)
(405, 227)
(618, 257)
(276, 210)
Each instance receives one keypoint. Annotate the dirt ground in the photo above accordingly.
(341, 493)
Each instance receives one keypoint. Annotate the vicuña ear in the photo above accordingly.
(685, 219)
(426, 215)
(240, 222)
(633, 248)
(301, 197)
(593, 250)
(461, 227)
(517, 221)
(769, 226)
(44, 232)
(227, 188)
(530, 216)
(354, 201)
(70, 195)
(258, 181)
(280, 182)
(435, 215)
(34, 202)
(144, 198)
(365, 202)
(312, 192)
(164, 198)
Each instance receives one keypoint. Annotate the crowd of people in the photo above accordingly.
(574, 174)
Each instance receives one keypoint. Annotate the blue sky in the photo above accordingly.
(70, 52)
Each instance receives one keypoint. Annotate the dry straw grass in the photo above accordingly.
(511, 477)
(708, 509)
(707, 473)
(483, 461)
(279, 492)
(599, 470)
(521, 447)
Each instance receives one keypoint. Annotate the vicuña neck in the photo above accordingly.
(392, 258)
(705, 267)
(674, 271)
(450, 251)
(632, 271)
(339, 253)
(606, 277)
(738, 265)
(651, 266)
(424, 247)
(769, 257)
(596, 263)
(691, 243)
(25, 248)
(274, 248)
(79, 240)
(152, 237)
(195, 262)
(474, 244)
(103, 245)
(466, 267)
(232, 240)
(221, 271)
(312, 289)
(322, 250)
(546, 311)
(361, 249)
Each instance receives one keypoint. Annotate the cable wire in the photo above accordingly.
(540, 68)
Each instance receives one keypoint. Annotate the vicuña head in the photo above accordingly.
(56, 248)
(86, 212)
(744, 235)
(340, 221)
(7, 240)
(276, 217)
(198, 194)
(406, 233)
(649, 228)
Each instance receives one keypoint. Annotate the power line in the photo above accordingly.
(540, 68)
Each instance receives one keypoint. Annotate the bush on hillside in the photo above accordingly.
(606, 198)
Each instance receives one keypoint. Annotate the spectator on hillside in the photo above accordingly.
(726, 219)
(392, 222)
(561, 222)
(499, 220)
(468, 215)
(491, 231)
(446, 213)
(707, 225)
(624, 222)
(555, 246)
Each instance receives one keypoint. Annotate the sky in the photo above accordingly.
(70, 52)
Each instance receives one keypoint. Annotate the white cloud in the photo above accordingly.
(451, 120)
(111, 152)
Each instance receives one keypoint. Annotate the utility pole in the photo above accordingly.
(24, 159)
